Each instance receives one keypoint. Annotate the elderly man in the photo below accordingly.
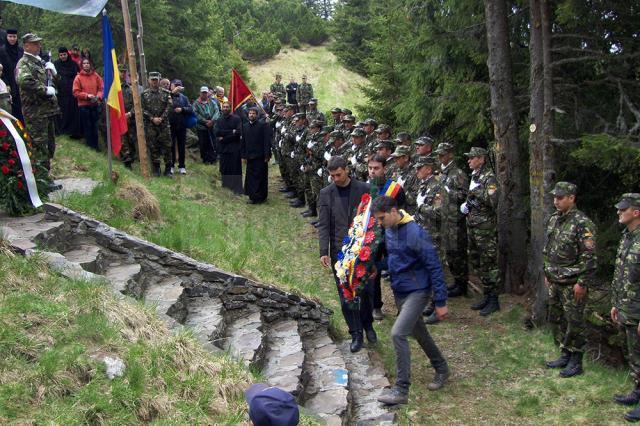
(206, 110)
(67, 70)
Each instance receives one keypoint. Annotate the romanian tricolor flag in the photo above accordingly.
(239, 92)
(112, 88)
(391, 189)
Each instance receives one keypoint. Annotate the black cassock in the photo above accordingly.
(228, 131)
(69, 121)
(256, 149)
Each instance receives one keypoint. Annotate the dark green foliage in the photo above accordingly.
(295, 43)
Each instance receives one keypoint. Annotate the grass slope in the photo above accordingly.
(498, 373)
(333, 84)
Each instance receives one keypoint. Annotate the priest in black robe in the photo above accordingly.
(10, 54)
(256, 150)
(228, 132)
(69, 120)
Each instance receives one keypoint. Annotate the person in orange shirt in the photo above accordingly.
(88, 89)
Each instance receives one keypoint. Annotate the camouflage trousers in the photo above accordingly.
(300, 180)
(42, 132)
(316, 185)
(432, 228)
(159, 142)
(633, 345)
(285, 165)
(129, 144)
(454, 244)
(566, 316)
(483, 255)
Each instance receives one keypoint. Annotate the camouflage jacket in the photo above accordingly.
(453, 193)
(304, 93)
(281, 129)
(411, 184)
(127, 96)
(625, 288)
(315, 115)
(315, 154)
(429, 205)
(156, 103)
(570, 249)
(278, 90)
(32, 81)
(357, 157)
(288, 137)
(371, 141)
(482, 199)
(299, 148)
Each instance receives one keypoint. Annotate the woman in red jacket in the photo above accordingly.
(87, 89)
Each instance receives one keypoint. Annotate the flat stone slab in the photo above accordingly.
(245, 339)
(24, 229)
(121, 275)
(164, 294)
(285, 357)
(86, 255)
(205, 318)
(70, 185)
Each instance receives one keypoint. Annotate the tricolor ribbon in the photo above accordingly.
(24, 157)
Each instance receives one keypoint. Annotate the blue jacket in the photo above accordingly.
(413, 261)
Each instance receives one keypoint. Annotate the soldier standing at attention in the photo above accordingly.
(129, 139)
(480, 209)
(304, 94)
(424, 147)
(405, 175)
(454, 235)
(624, 290)
(569, 266)
(39, 103)
(312, 112)
(156, 103)
(277, 88)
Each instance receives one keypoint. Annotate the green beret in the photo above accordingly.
(564, 188)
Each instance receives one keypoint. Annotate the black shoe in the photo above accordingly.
(432, 319)
(481, 304)
(284, 189)
(561, 362)
(251, 202)
(308, 214)
(290, 195)
(314, 222)
(356, 342)
(394, 396)
(574, 368)
(428, 310)
(128, 165)
(297, 203)
(156, 169)
(168, 172)
(54, 187)
(372, 337)
(492, 306)
(316, 225)
(631, 398)
(460, 289)
(438, 380)
(633, 415)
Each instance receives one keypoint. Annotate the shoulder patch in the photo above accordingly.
(589, 243)
(491, 189)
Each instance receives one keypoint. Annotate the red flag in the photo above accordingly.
(239, 92)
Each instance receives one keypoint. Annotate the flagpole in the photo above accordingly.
(109, 157)
(137, 105)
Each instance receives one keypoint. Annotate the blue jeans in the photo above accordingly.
(89, 116)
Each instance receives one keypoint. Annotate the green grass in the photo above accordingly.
(333, 84)
(53, 333)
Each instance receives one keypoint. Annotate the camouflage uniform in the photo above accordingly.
(407, 178)
(313, 168)
(315, 115)
(454, 230)
(304, 95)
(357, 158)
(299, 153)
(569, 258)
(278, 90)
(482, 203)
(157, 103)
(282, 127)
(333, 151)
(38, 108)
(129, 139)
(286, 150)
(625, 294)
(429, 205)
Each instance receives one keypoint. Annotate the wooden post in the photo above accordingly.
(137, 104)
(139, 38)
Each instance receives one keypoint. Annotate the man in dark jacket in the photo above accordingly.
(415, 270)
(256, 150)
(180, 108)
(228, 131)
(10, 54)
(69, 120)
(292, 92)
(338, 205)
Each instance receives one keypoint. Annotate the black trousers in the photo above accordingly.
(357, 319)
(207, 147)
(256, 183)
(89, 116)
(179, 139)
(231, 171)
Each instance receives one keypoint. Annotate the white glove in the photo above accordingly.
(310, 145)
(327, 156)
(464, 209)
(319, 172)
(353, 160)
(51, 91)
(473, 185)
(298, 138)
(420, 199)
(50, 67)
(302, 169)
(292, 155)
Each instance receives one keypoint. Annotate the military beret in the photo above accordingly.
(358, 132)
(336, 110)
(154, 75)
(444, 147)
(383, 128)
(349, 118)
(336, 134)
(476, 151)
(564, 188)
(313, 101)
(316, 124)
(630, 199)
(370, 122)
(347, 111)
(30, 38)
(400, 151)
(386, 144)
(403, 136)
(424, 140)
(425, 160)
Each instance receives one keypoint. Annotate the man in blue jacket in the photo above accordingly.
(415, 270)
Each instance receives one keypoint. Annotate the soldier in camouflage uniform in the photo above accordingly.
(277, 88)
(480, 208)
(312, 112)
(304, 94)
(299, 151)
(39, 103)
(382, 133)
(156, 103)
(357, 157)
(569, 267)
(454, 230)
(348, 124)
(313, 182)
(405, 175)
(129, 139)
(336, 119)
(370, 126)
(385, 148)
(404, 138)
(625, 293)
(285, 147)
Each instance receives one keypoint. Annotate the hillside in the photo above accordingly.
(333, 84)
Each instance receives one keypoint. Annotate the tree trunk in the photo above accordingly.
(535, 276)
(512, 232)
(548, 121)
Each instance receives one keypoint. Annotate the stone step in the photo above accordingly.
(246, 341)
(205, 317)
(366, 382)
(86, 255)
(122, 275)
(285, 356)
(164, 294)
(326, 392)
(22, 232)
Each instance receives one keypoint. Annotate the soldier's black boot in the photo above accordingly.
(313, 212)
(493, 305)
(156, 169)
(633, 415)
(631, 398)
(460, 289)
(574, 368)
(356, 342)
(560, 362)
(167, 171)
(481, 304)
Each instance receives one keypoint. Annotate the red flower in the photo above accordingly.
(20, 185)
(372, 221)
(365, 253)
(3, 133)
(365, 198)
(4, 147)
(11, 162)
(369, 237)
(361, 269)
(14, 154)
(5, 170)
(346, 292)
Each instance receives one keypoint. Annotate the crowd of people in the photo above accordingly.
(434, 213)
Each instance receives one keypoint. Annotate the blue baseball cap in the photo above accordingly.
(271, 406)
